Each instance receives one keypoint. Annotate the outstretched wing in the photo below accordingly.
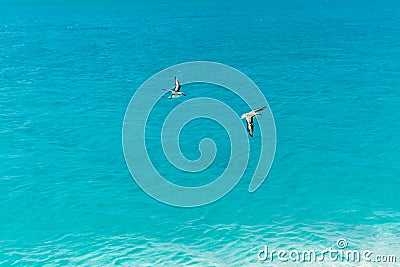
(177, 85)
(250, 125)
(259, 109)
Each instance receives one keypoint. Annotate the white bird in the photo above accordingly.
(249, 119)
(175, 92)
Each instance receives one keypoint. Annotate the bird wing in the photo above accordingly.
(169, 90)
(259, 109)
(250, 125)
(177, 85)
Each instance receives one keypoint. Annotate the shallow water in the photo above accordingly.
(329, 70)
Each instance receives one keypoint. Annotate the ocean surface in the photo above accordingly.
(330, 71)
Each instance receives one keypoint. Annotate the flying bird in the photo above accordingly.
(249, 119)
(175, 92)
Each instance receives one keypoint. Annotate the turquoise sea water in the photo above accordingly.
(329, 69)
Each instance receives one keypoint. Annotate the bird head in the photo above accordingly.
(243, 116)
